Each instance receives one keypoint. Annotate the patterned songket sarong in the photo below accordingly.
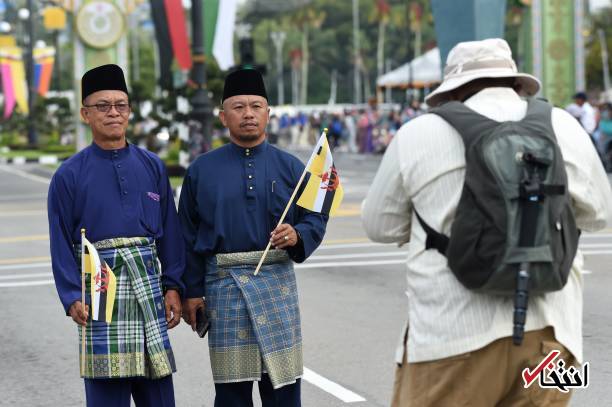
(136, 342)
(254, 319)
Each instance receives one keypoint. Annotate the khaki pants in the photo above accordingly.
(490, 376)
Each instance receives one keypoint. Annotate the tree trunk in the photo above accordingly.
(305, 59)
(380, 51)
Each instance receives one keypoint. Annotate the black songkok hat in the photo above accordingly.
(244, 82)
(105, 77)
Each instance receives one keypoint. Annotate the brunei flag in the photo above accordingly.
(323, 192)
(103, 283)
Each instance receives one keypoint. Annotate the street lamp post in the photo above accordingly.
(278, 37)
(200, 102)
(357, 56)
(27, 15)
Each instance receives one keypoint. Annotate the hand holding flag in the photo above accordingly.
(323, 192)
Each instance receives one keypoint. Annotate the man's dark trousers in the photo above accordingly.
(241, 394)
(118, 392)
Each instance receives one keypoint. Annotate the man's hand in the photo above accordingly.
(283, 236)
(78, 315)
(173, 308)
(190, 307)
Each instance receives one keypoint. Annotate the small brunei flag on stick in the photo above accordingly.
(103, 288)
(323, 192)
(103, 283)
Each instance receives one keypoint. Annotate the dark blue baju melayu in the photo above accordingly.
(232, 198)
(124, 201)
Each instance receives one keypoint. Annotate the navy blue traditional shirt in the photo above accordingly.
(111, 193)
(232, 199)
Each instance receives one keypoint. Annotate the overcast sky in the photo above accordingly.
(595, 4)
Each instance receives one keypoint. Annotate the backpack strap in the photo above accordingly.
(468, 123)
(435, 240)
(538, 118)
(471, 126)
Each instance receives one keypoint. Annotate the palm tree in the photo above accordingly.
(381, 14)
(306, 19)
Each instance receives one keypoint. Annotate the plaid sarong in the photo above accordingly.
(136, 342)
(254, 319)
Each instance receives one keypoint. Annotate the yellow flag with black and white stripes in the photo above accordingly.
(323, 192)
(103, 283)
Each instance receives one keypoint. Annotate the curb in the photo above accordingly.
(20, 160)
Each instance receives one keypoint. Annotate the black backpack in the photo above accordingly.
(514, 229)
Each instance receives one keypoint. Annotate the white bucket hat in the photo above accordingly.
(490, 58)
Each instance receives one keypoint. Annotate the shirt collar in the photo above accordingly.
(118, 153)
(248, 152)
(493, 94)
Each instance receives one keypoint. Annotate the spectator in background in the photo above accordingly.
(335, 131)
(605, 135)
(273, 129)
(586, 114)
(351, 130)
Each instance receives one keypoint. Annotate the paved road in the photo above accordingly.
(351, 293)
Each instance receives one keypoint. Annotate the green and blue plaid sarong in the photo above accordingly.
(136, 342)
(255, 320)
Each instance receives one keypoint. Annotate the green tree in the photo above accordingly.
(593, 66)
(330, 46)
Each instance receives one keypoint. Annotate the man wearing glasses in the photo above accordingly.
(120, 194)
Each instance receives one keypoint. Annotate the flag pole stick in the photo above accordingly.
(83, 301)
(282, 218)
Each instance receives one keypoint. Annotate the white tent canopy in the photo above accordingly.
(426, 71)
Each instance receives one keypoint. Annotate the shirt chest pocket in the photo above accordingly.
(150, 212)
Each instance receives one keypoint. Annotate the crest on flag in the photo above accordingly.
(103, 283)
(323, 192)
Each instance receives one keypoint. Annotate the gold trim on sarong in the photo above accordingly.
(250, 258)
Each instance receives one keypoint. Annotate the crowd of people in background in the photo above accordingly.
(367, 130)
(597, 122)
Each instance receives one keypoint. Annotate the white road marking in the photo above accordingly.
(332, 388)
(350, 245)
(596, 252)
(356, 255)
(26, 283)
(22, 197)
(26, 175)
(596, 235)
(582, 245)
(22, 275)
(315, 262)
(25, 266)
(349, 264)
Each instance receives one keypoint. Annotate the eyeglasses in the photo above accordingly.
(120, 107)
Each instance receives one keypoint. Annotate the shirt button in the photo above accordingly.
(250, 177)
(251, 188)
(247, 153)
(247, 150)
(118, 165)
(124, 192)
(250, 165)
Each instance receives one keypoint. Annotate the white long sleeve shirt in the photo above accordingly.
(424, 167)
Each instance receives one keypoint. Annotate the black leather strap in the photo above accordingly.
(435, 240)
